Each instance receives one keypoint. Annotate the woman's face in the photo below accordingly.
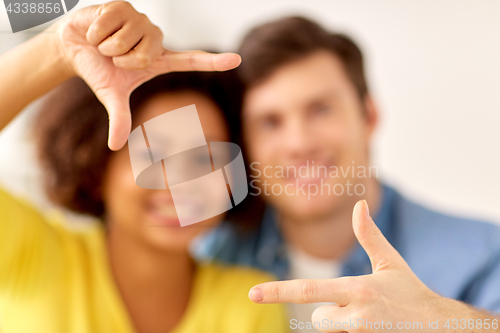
(149, 216)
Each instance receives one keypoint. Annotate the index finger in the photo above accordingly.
(303, 291)
(171, 61)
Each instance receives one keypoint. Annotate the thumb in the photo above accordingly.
(120, 121)
(381, 253)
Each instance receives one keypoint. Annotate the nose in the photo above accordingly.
(299, 140)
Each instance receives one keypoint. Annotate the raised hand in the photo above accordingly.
(115, 49)
(392, 293)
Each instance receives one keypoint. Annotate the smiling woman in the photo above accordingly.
(123, 274)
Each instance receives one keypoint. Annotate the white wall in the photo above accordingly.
(434, 68)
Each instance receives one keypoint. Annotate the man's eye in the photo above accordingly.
(322, 109)
(270, 123)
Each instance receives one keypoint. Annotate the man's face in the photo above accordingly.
(307, 133)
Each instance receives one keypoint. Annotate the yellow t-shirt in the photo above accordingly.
(53, 279)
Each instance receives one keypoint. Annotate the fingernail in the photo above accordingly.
(367, 210)
(256, 294)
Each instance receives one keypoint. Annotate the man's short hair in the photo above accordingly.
(272, 45)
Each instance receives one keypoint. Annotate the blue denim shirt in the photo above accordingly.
(456, 257)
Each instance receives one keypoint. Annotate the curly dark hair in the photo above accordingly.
(71, 132)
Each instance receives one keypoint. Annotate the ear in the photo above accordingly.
(371, 114)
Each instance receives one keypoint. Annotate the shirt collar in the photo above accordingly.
(357, 261)
(271, 252)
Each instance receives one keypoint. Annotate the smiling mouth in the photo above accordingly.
(164, 215)
(168, 213)
(309, 172)
(305, 180)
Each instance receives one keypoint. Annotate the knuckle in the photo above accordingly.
(307, 289)
(143, 17)
(125, 5)
(143, 61)
(157, 33)
(192, 61)
(272, 293)
(275, 292)
(97, 33)
(140, 20)
(119, 45)
(121, 7)
(375, 232)
(105, 7)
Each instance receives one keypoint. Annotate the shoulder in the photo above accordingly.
(40, 246)
(232, 277)
(14, 208)
(424, 224)
(447, 252)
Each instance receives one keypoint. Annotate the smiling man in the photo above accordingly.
(308, 119)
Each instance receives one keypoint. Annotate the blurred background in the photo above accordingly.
(433, 67)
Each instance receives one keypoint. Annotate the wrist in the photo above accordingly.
(456, 316)
(56, 56)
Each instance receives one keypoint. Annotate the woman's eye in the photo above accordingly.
(269, 123)
(144, 155)
(202, 160)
